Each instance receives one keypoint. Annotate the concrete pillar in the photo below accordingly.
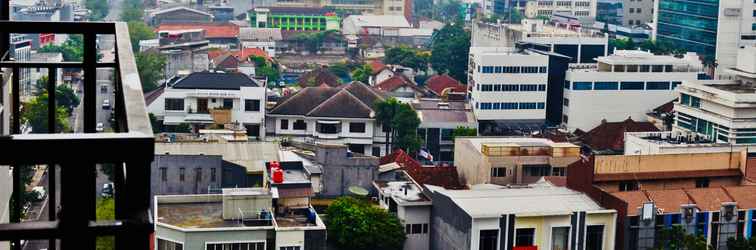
(646, 226)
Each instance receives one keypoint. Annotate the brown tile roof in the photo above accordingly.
(438, 83)
(395, 82)
(666, 175)
(365, 93)
(317, 77)
(376, 66)
(226, 61)
(335, 107)
(666, 108)
(708, 199)
(212, 30)
(354, 100)
(559, 181)
(446, 177)
(669, 201)
(745, 196)
(611, 135)
(634, 200)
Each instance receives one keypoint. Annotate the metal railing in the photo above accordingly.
(129, 148)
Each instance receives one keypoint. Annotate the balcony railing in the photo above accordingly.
(129, 148)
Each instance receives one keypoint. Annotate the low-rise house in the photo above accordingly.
(178, 15)
(406, 200)
(204, 98)
(446, 87)
(374, 25)
(511, 160)
(317, 77)
(262, 38)
(438, 119)
(342, 115)
(220, 35)
(401, 87)
(185, 51)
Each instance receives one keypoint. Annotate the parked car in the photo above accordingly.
(100, 127)
(106, 104)
(107, 190)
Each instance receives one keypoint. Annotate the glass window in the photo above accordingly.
(543, 69)
(536, 170)
(566, 102)
(486, 87)
(168, 245)
(675, 84)
(164, 174)
(228, 103)
(510, 87)
(566, 84)
(284, 124)
(528, 87)
(582, 85)
(174, 104)
(559, 238)
(695, 102)
(300, 125)
(497, 69)
(446, 134)
(594, 238)
(213, 174)
(497, 87)
(628, 186)
(702, 182)
(488, 240)
(631, 86)
(657, 86)
(498, 172)
(328, 128)
(541, 87)
(182, 172)
(541, 105)
(356, 127)
(524, 237)
(684, 99)
(251, 105)
(509, 105)
(605, 86)
(528, 105)
(288, 248)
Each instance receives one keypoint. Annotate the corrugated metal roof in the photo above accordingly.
(251, 155)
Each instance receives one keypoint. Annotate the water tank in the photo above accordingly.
(278, 175)
(311, 215)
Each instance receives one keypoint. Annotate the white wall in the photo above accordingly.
(731, 25)
(415, 215)
(157, 107)
(285, 238)
(6, 186)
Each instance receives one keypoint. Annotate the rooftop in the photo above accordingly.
(251, 155)
(378, 21)
(480, 142)
(403, 191)
(705, 199)
(212, 30)
(639, 57)
(353, 100)
(610, 135)
(214, 80)
(540, 199)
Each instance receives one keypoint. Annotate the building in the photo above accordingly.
(438, 119)
(20, 50)
(523, 217)
(576, 8)
(341, 169)
(508, 87)
(720, 109)
(239, 218)
(178, 15)
(609, 137)
(406, 200)
(185, 51)
(221, 13)
(636, 33)
(37, 74)
(265, 39)
(628, 83)
(609, 11)
(713, 29)
(5, 199)
(668, 142)
(329, 115)
(380, 7)
(220, 35)
(446, 87)
(401, 87)
(204, 98)
(637, 12)
(294, 18)
(374, 25)
(511, 160)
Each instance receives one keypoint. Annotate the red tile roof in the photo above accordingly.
(708, 199)
(438, 83)
(559, 181)
(395, 82)
(634, 200)
(212, 30)
(245, 53)
(445, 177)
(669, 201)
(611, 135)
(376, 66)
(743, 195)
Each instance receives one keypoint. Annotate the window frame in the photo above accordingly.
(247, 105)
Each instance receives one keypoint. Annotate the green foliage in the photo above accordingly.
(26, 172)
(741, 243)
(362, 73)
(464, 131)
(675, 238)
(132, 11)
(401, 121)
(138, 31)
(258, 60)
(64, 94)
(99, 9)
(514, 16)
(35, 115)
(72, 49)
(313, 41)
(656, 47)
(151, 67)
(341, 70)
(156, 125)
(448, 11)
(407, 57)
(183, 128)
(450, 48)
(105, 210)
(269, 71)
(355, 224)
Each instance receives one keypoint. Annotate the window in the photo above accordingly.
(164, 174)
(300, 125)
(628, 186)
(524, 237)
(510, 87)
(213, 174)
(328, 128)
(675, 84)
(509, 105)
(566, 102)
(541, 105)
(486, 87)
(536, 170)
(702, 182)
(685, 99)
(528, 105)
(528, 87)
(356, 127)
(198, 174)
(496, 105)
(228, 103)
(529, 69)
(488, 240)
(695, 102)
(174, 104)
(631, 86)
(251, 105)
(543, 69)
(181, 174)
(284, 124)
(605, 86)
(541, 87)
(558, 171)
(498, 172)
(485, 106)
(559, 238)
(582, 85)
(236, 246)
(657, 86)
(168, 245)
(566, 84)
(565, 119)
(594, 237)
(377, 151)
(497, 87)
(416, 228)
(497, 69)
(645, 68)
(632, 10)
(447, 134)
(657, 68)
(291, 248)
(638, 10)
(488, 69)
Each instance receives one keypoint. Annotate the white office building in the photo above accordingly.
(722, 110)
(205, 98)
(628, 83)
(576, 8)
(508, 84)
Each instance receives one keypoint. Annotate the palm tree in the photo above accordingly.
(385, 111)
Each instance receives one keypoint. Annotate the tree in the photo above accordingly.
(514, 16)
(464, 131)
(622, 44)
(258, 60)
(151, 66)
(105, 210)
(26, 173)
(450, 47)
(132, 10)
(362, 73)
(407, 57)
(156, 125)
(72, 49)
(341, 70)
(99, 9)
(313, 41)
(139, 31)
(35, 115)
(355, 224)
(675, 238)
(741, 243)
(400, 123)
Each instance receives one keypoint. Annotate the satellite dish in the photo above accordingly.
(358, 191)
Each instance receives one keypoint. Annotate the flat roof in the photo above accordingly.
(532, 200)
(640, 57)
(396, 190)
(735, 87)
(251, 155)
(477, 142)
(194, 215)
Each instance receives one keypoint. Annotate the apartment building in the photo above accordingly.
(205, 98)
(508, 86)
(380, 7)
(294, 18)
(721, 110)
(637, 12)
(713, 29)
(185, 51)
(330, 115)
(438, 119)
(547, 8)
(537, 216)
(511, 160)
(626, 84)
(239, 218)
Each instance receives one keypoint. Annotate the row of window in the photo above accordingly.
(625, 186)
(511, 87)
(534, 171)
(690, 101)
(354, 127)
(510, 105)
(525, 237)
(182, 174)
(238, 246)
(416, 228)
(177, 104)
(512, 69)
(652, 85)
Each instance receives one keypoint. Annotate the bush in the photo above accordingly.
(355, 224)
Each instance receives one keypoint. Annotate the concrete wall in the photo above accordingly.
(190, 185)
(341, 172)
(450, 227)
(415, 215)
(688, 183)
(6, 186)
(614, 164)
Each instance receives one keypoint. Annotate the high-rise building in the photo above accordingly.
(637, 12)
(576, 8)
